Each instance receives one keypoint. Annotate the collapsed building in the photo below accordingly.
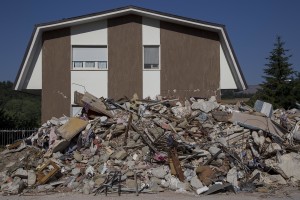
(147, 146)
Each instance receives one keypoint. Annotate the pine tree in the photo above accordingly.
(278, 84)
(296, 87)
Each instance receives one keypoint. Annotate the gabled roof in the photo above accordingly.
(219, 28)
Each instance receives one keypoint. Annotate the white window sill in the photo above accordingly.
(151, 69)
(86, 69)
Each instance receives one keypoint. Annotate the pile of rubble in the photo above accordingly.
(146, 146)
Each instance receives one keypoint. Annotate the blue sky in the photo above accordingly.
(252, 25)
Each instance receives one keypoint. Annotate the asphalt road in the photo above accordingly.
(291, 194)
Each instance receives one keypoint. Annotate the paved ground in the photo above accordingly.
(291, 194)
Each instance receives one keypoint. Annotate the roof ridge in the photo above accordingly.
(128, 7)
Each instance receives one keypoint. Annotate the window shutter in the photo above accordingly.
(89, 54)
(151, 55)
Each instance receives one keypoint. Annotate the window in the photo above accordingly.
(151, 57)
(89, 58)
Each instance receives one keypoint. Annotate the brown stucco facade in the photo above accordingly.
(56, 74)
(190, 61)
(125, 56)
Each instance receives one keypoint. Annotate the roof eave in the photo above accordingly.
(16, 84)
(243, 85)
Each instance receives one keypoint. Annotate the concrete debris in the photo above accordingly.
(150, 146)
(213, 150)
(120, 155)
(296, 131)
(202, 190)
(196, 183)
(59, 145)
(77, 156)
(264, 108)
(72, 128)
(232, 177)
(21, 173)
(31, 178)
(255, 122)
(277, 179)
(220, 116)
(160, 172)
(15, 187)
(287, 165)
(205, 106)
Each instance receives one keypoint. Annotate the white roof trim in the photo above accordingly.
(71, 22)
(234, 61)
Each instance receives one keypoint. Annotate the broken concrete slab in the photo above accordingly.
(263, 107)
(120, 155)
(232, 176)
(72, 128)
(174, 183)
(75, 171)
(155, 180)
(59, 145)
(220, 116)
(213, 150)
(156, 188)
(14, 187)
(205, 106)
(273, 147)
(257, 123)
(277, 179)
(296, 131)
(196, 183)
(95, 104)
(21, 173)
(77, 156)
(31, 178)
(288, 166)
(160, 172)
(202, 190)
(258, 140)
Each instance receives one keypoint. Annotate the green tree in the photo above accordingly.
(5, 120)
(17, 109)
(277, 87)
(296, 87)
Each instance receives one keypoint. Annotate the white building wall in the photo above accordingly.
(226, 78)
(151, 78)
(34, 81)
(151, 31)
(94, 82)
(151, 83)
(94, 33)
